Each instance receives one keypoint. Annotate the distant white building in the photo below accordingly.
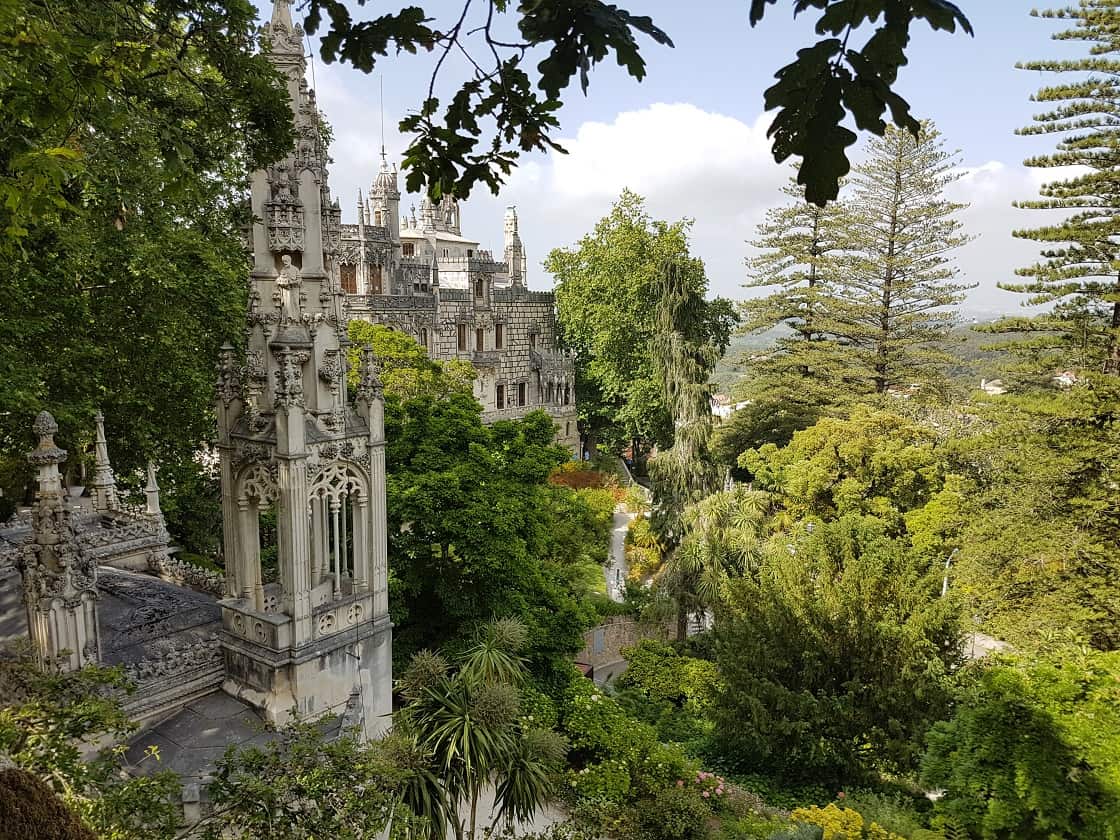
(722, 407)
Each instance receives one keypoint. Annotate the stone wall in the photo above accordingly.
(527, 361)
(602, 649)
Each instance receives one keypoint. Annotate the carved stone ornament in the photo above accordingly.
(369, 376)
(289, 376)
(180, 658)
(228, 386)
(251, 453)
(285, 227)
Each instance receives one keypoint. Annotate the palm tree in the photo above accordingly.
(463, 730)
(721, 540)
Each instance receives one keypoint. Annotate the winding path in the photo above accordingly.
(616, 569)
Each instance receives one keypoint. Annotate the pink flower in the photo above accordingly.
(680, 782)
(705, 794)
(840, 795)
(719, 790)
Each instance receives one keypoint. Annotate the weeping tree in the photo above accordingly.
(683, 359)
(1080, 267)
(462, 732)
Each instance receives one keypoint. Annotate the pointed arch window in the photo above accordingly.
(338, 505)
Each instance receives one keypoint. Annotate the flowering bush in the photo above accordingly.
(708, 786)
(606, 781)
(659, 767)
(597, 724)
(538, 711)
(842, 823)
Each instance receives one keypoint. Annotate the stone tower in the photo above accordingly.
(292, 444)
(385, 199)
(59, 578)
(514, 250)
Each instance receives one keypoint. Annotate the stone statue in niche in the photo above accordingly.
(289, 282)
(282, 184)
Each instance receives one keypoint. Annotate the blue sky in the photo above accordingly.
(691, 136)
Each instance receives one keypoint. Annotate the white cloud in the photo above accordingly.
(687, 162)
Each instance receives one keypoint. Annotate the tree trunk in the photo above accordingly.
(1112, 360)
(682, 622)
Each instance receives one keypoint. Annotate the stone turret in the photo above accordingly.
(290, 441)
(59, 578)
(104, 489)
(514, 250)
(385, 199)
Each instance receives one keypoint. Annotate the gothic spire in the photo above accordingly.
(104, 482)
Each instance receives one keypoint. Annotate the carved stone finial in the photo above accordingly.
(152, 491)
(369, 375)
(104, 482)
(46, 452)
(44, 425)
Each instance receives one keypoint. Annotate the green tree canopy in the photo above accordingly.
(477, 532)
(1080, 265)
(126, 270)
(506, 107)
(1032, 749)
(874, 462)
(607, 298)
(406, 369)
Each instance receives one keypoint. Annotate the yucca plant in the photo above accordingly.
(464, 725)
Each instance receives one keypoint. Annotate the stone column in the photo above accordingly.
(59, 579)
(379, 531)
(362, 529)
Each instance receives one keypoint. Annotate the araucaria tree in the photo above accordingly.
(799, 245)
(1080, 267)
(897, 281)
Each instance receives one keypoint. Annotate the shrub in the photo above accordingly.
(751, 827)
(643, 555)
(606, 781)
(674, 814)
(598, 726)
(842, 823)
(661, 767)
(537, 708)
(837, 658)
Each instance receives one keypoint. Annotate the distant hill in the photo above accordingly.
(964, 344)
(730, 368)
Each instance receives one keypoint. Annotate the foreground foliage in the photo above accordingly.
(49, 721)
(1033, 750)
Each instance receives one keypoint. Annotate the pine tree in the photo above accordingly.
(1080, 267)
(788, 384)
(896, 282)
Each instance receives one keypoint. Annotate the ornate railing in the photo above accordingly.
(184, 573)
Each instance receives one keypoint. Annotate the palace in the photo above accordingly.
(420, 275)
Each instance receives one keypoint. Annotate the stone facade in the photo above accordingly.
(290, 440)
(421, 276)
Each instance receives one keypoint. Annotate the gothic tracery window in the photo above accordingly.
(336, 507)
